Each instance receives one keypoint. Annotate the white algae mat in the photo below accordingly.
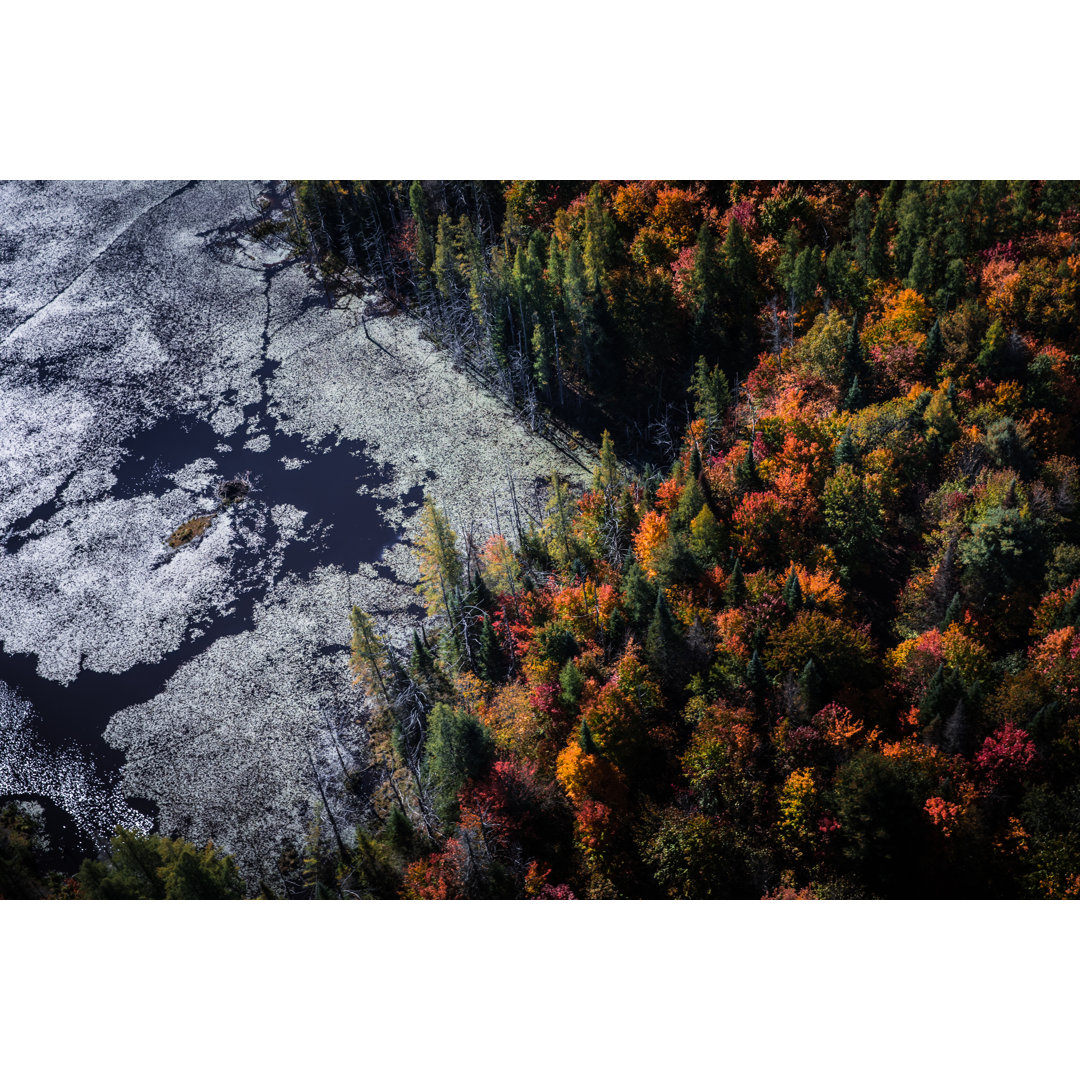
(149, 349)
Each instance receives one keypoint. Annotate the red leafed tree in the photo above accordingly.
(1006, 755)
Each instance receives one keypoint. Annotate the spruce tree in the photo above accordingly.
(425, 251)
(572, 682)
(845, 453)
(953, 613)
(854, 399)
(935, 347)
(480, 595)
(792, 592)
(746, 474)
(810, 684)
(735, 590)
(489, 658)
(756, 678)
(854, 361)
(662, 638)
(712, 396)
(638, 595)
(586, 740)
(703, 278)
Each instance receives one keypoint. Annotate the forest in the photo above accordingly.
(813, 629)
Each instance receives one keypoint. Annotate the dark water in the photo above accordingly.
(345, 529)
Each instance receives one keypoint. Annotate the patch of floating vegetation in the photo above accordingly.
(231, 491)
(190, 530)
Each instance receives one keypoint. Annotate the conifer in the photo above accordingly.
(735, 590)
(792, 592)
(846, 453)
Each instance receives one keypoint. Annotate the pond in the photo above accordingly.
(150, 351)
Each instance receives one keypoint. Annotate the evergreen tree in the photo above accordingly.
(920, 276)
(953, 613)
(480, 595)
(586, 740)
(458, 748)
(425, 250)
(746, 474)
(370, 660)
(735, 590)
(935, 347)
(421, 662)
(854, 399)
(810, 685)
(445, 264)
(846, 453)
(854, 362)
(606, 476)
(489, 658)
(571, 682)
(738, 261)
(559, 522)
(712, 397)
(662, 638)
(703, 279)
(879, 235)
(756, 678)
(792, 592)
(638, 595)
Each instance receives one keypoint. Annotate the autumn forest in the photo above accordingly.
(805, 621)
